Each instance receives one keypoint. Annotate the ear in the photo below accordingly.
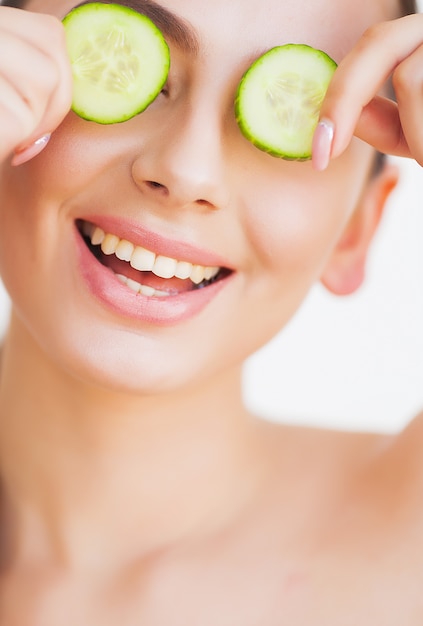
(345, 270)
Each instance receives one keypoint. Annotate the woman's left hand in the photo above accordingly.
(392, 49)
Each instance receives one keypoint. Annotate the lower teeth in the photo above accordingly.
(150, 292)
(143, 290)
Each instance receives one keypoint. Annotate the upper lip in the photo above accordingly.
(140, 236)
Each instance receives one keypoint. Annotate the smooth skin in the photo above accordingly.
(136, 488)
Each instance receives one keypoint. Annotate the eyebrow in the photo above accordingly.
(181, 32)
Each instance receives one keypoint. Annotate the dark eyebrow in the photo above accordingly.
(172, 26)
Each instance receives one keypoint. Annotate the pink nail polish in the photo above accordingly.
(26, 154)
(322, 144)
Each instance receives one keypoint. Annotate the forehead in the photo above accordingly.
(249, 27)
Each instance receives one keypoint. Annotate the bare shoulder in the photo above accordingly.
(347, 507)
(354, 450)
(373, 480)
(324, 449)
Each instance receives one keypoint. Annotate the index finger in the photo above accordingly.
(362, 73)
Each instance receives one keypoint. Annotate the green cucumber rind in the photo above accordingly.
(242, 122)
(81, 12)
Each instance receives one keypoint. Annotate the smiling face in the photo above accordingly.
(179, 190)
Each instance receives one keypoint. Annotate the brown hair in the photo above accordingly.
(406, 6)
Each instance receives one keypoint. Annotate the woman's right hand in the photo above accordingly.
(35, 81)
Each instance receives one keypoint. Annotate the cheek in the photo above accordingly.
(35, 226)
(296, 220)
(79, 154)
(73, 154)
(26, 248)
(292, 221)
(303, 213)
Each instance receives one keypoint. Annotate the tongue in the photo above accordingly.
(172, 285)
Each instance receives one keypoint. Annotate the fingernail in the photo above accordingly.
(322, 144)
(26, 154)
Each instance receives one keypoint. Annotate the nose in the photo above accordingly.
(182, 163)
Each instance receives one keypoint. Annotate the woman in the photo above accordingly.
(136, 488)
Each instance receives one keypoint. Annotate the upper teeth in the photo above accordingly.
(146, 261)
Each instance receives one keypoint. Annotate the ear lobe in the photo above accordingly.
(345, 271)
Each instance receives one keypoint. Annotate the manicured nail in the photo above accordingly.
(26, 154)
(322, 144)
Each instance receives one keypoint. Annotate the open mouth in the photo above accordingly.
(143, 271)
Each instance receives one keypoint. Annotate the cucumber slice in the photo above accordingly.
(120, 61)
(279, 98)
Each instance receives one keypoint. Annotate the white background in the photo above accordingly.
(355, 362)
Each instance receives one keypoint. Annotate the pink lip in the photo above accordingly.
(139, 236)
(106, 288)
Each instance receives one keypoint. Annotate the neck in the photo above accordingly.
(82, 465)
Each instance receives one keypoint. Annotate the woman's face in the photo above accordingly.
(181, 181)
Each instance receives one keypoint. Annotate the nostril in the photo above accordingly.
(164, 191)
(152, 184)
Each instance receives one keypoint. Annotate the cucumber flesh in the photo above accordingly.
(120, 61)
(279, 98)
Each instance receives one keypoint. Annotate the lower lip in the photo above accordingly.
(106, 288)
